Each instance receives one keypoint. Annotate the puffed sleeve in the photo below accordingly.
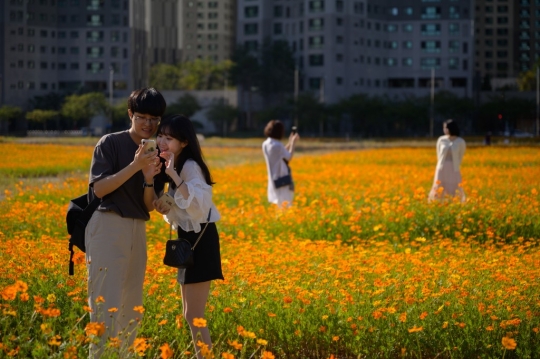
(199, 201)
(439, 149)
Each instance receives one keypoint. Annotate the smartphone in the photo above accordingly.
(148, 145)
(166, 200)
(293, 130)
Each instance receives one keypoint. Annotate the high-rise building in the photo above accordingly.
(502, 49)
(368, 46)
(66, 45)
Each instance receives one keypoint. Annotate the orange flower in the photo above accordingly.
(235, 344)
(423, 315)
(267, 355)
(199, 322)
(166, 351)
(415, 329)
(227, 310)
(509, 343)
(139, 309)
(227, 356)
(403, 317)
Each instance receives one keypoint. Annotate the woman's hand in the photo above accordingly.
(169, 167)
(160, 207)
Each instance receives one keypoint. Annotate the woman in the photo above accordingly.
(450, 151)
(277, 158)
(191, 188)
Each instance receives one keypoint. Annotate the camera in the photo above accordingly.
(148, 145)
(294, 130)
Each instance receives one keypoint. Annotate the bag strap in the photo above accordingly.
(200, 235)
(204, 229)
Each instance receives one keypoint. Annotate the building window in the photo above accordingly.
(278, 11)
(453, 29)
(339, 81)
(316, 24)
(431, 46)
(278, 28)
(431, 12)
(314, 83)
(454, 12)
(430, 29)
(316, 6)
(453, 63)
(43, 65)
(74, 66)
(430, 63)
(453, 46)
(251, 29)
(94, 67)
(95, 36)
(316, 42)
(74, 34)
(251, 11)
(94, 20)
(407, 61)
(316, 60)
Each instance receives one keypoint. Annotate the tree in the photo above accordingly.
(186, 104)
(222, 115)
(120, 115)
(245, 73)
(42, 116)
(50, 101)
(8, 113)
(311, 113)
(527, 79)
(165, 76)
(277, 68)
(199, 74)
(81, 108)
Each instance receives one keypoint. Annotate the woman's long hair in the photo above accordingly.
(181, 128)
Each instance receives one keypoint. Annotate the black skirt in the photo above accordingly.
(206, 256)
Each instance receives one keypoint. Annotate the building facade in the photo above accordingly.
(71, 45)
(371, 46)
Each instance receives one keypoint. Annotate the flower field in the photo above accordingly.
(362, 266)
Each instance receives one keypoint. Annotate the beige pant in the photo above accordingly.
(116, 264)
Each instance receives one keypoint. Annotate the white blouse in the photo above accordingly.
(190, 212)
(274, 152)
(457, 148)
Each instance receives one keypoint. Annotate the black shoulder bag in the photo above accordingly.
(179, 252)
(78, 215)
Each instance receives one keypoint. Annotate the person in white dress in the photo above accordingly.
(278, 157)
(450, 151)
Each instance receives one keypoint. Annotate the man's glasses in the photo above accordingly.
(152, 120)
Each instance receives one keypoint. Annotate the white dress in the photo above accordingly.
(447, 174)
(274, 153)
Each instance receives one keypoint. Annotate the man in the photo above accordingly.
(121, 174)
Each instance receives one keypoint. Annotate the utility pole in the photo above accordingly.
(537, 101)
(321, 100)
(296, 96)
(111, 74)
(432, 109)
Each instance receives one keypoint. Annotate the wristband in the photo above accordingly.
(148, 185)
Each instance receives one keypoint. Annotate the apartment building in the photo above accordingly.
(371, 46)
(496, 40)
(66, 45)
(209, 29)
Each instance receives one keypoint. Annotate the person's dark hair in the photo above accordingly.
(274, 129)
(147, 100)
(181, 128)
(452, 126)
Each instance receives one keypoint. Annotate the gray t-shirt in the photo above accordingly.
(112, 153)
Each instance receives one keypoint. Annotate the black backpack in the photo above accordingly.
(78, 214)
